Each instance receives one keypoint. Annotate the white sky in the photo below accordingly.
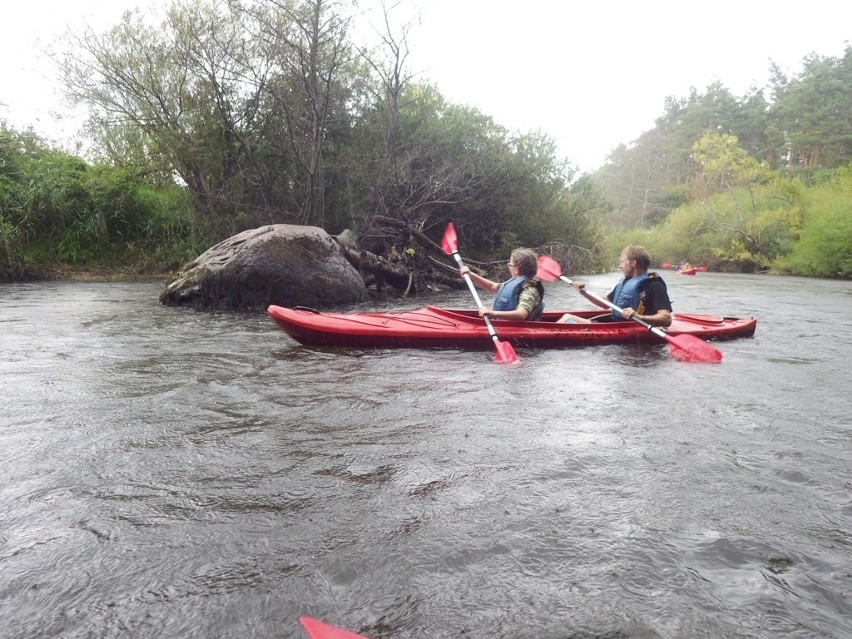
(593, 75)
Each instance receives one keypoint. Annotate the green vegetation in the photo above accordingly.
(824, 246)
(57, 209)
(744, 184)
(227, 116)
(757, 221)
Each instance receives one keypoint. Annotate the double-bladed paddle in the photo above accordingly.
(449, 243)
(685, 347)
(320, 630)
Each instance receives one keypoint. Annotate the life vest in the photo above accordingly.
(626, 293)
(509, 292)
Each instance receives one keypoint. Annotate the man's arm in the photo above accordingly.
(657, 304)
(662, 317)
(581, 286)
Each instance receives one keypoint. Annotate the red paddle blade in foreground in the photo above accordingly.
(319, 630)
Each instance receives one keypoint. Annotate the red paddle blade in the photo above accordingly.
(450, 243)
(319, 630)
(505, 352)
(548, 269)
(689, 348)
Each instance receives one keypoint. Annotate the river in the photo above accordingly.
(168, 472)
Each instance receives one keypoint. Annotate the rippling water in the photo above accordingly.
(173, 473)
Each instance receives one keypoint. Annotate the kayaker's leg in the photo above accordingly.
(568, 318)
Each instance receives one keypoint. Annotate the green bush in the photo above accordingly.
(57, 209)
(12, 265)
(824, 247)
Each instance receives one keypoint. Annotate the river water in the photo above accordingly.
(175, 473)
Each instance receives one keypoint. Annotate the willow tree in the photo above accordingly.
(307, 45)
(173, 96)
(388, 64)
(756, 213)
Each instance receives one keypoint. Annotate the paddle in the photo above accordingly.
(319, 630)
(685, 347)
(449, 243)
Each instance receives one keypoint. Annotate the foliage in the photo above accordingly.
(824, 248)
(238, 100)
(783, 225)
(296, 124)
(724, 164)
(649, 178)
(56, 208)
(809, 125)
(802, 130)
(220, 116)
(773, 200)
(750, 212)
(12, 264)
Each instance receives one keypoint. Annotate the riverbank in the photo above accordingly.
(88, 273)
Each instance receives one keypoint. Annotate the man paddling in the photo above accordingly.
(518, 298)
(639, 293)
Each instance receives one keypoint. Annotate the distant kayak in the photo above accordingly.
(688, 271)
(434, 326)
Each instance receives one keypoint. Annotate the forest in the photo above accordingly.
(231, 115)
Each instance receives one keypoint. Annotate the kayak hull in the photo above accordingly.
(437, 327)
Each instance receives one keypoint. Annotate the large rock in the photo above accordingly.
(279, 264)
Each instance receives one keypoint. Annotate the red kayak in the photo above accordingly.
(688, 271)
(434, 326)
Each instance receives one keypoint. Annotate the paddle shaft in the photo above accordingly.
(472, 288)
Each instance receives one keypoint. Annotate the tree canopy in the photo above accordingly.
(802, 129)
(222, 115)
(731, 181)
(268, 111)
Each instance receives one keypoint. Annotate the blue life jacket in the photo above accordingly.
(626, 293)
(509, 292)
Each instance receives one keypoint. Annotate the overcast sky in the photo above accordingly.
(593, 75)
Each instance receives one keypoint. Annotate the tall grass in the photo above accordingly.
(57, 209)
